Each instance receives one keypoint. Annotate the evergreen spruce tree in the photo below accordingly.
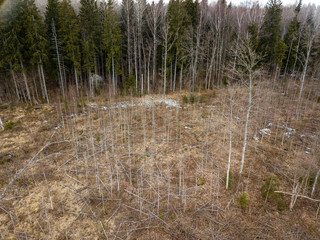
(292, 40)
(52, 22)
(112, 42)
(89, 20)
(34, 41)
(271, 45)
(69, 32)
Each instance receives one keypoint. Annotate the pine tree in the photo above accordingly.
(112, 42)
(69, 33)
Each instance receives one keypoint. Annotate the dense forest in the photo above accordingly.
(139, 47)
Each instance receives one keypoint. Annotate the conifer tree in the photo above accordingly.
(292, 40)
(271, 45)
(52, 22)
(89, 20)
(69, 33)
(112, 42)
(34, 41)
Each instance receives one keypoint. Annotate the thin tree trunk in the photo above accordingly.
(15, 83)
(175, 75)
(181, 73)
(247, 123)
(25, 80)
(113, 77)
(44, 81)
(58, 58)
(230, 143)
(304, 74)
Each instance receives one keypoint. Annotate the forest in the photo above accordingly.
(145, 47)
(159, 120)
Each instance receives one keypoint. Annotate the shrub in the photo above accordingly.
(185, 99)
(269, 187)
(130, 83)
(4, 160)
(192, 99)
(244, 200)
(200, 181)
(281, 204)
(225, 81)
(9, 125)
(202, 98)
(214, 94)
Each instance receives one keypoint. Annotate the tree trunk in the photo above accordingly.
(247, 123)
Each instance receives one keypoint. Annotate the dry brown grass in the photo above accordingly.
(158, 172)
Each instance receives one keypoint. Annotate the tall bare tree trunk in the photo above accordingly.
(247, 123)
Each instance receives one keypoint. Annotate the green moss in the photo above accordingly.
(244, 200)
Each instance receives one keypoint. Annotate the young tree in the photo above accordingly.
(311, 29)
(246, 69)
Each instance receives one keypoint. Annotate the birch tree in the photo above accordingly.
(245, 71)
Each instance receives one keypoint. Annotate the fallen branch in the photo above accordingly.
(26, 166)
(298, 195)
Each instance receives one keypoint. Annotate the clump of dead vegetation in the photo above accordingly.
(133, 168)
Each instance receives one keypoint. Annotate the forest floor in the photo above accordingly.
(155, 167)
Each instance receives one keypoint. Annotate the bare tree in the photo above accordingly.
(245, 70)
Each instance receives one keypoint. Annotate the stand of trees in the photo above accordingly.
(147, 47)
